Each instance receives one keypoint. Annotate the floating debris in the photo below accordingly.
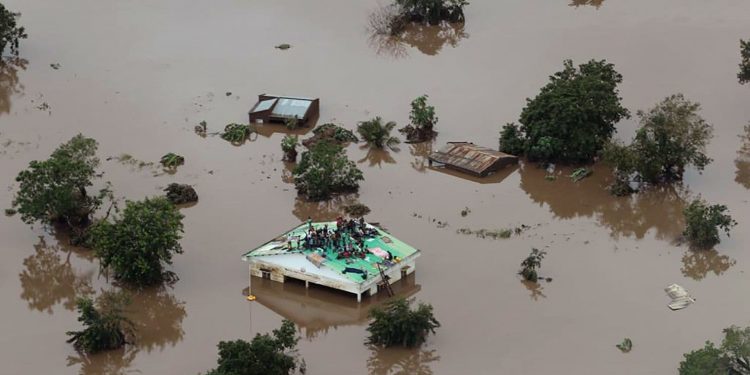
(465, 211)
(284, 46)
(10, 212)
(493, 233)
(228, 93)
(580, 173)
(680, 297)
(181, 193)
(356, 210)
(625, 346)
(127, 159)
(172, 160)
(55, 66)
(201, 129)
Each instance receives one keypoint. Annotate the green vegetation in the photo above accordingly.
(744, 74)
(423, 120)
(626, 345)
(292, 123)
(433, 11)
(572, 118)
(325, 170)
(703, 222)
(356, 210)
(181, 193)
(330, 133)
(53, 191)
(237, 134)
(172, 160)
(264, 355)
(488, 233)
(377, 134)
(530, 265)
(10, 32)
(732, 358)
(105, 326)
(580, 173)
(671, 137)
(289, 147)
(137, 245)
(396, 324)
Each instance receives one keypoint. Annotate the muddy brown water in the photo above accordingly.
(138, 76)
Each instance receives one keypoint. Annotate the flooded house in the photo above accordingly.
(272, 108)
(350, 256)
(469, 158)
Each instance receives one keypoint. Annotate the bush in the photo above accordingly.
(54, 190)
(396, 324)
(10, 32)
(377, 134)
(172, 160)
(264, 355)
(181, 193)
(511, 140)
(706, 361)
(237, 134)
(289, 147)
(573, 116)
(137, 245)
(530, 265)
(105, 326)
(330, 133)
(702, 223)
(423, 121)
(325, 170)
(744, 74)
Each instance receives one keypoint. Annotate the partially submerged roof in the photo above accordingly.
(470, 158)
(280, 108)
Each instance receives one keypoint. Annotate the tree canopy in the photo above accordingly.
(325, 170)
(703, 222)
(54, 190)
(10, 32)
(672, 136)
(377, 134)
(138, 244)
(572, 117)
(105, 326)
(396, 324)
(731, 358)
(264, 355)
(744, 74)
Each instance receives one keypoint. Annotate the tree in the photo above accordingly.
(289, 147)
(702, 223)
(433, 11)
(10, 32)
(511, 140)
(423, 120)
(744, 74)
(105, 326)
(731, 358)
(736, 346)
(706, 361)
(671, 137)
(325, 170)
(396, 324)
(137, 245)
(573, 116)
(530, 265)
(378, 134)
(264, 355)
(237, 134)
(330, 133)
(53, 191)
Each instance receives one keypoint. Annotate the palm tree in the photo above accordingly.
(376, 134)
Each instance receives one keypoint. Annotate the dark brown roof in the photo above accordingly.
(472, 158)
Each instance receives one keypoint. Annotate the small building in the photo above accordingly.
(271, 108)
(381, 261)
(472, 159)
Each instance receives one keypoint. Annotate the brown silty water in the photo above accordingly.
(138, 76)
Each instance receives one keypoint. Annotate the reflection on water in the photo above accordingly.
(115, 362)
(376, 157)
(269, 129)
(742, 176)
(420, 151)
(49, 278)
(327, 210)
(428, 39)
(317, 309)
(401, 361)
(535, 289)
(594, 3)
(658, 209)
(158, 317)
(696, 264)
(494, 178)
(9, 83)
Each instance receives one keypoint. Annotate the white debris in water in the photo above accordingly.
(680, 297)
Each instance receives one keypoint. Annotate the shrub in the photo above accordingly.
(237, 133)
(172, 160)
(330, 133)
(423, 121)
(530, 265)
(377, 134)
(10, 32)
(744, 74)
(433, 11)
(181, 193)
(325, 170)
(511, 140)
(264, 355)
(573, 116)
(105, 326)
(396, 324)
(702, 223)
(289, 147)
(137, 245)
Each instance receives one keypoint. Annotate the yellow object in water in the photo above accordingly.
(251, 297)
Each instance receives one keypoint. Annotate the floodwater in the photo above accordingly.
(139, 75)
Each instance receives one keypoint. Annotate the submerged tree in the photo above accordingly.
(237, 134)
(744, 74)
(531, 264)
(423, 120)
(330, 133)
(264, 355)
(181, 193)
(396, 324)
(172, 161)
(703, 222)
(137, 245)
(671, 137)
(377, 134)
(731, 358)
(10, 32)
(289, 147)
(325, 170)
(433, 11)
(105, 325)
(53, 191)
(572, 117)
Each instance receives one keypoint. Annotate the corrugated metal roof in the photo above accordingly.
(291, 108)
(470, 157)
(263, 105)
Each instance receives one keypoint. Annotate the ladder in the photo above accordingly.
(384, 281)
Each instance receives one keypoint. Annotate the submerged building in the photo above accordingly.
(472, 159)
(273, 108)
(361, 259)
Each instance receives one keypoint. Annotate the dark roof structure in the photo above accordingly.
(472, 159)
(272, 108)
